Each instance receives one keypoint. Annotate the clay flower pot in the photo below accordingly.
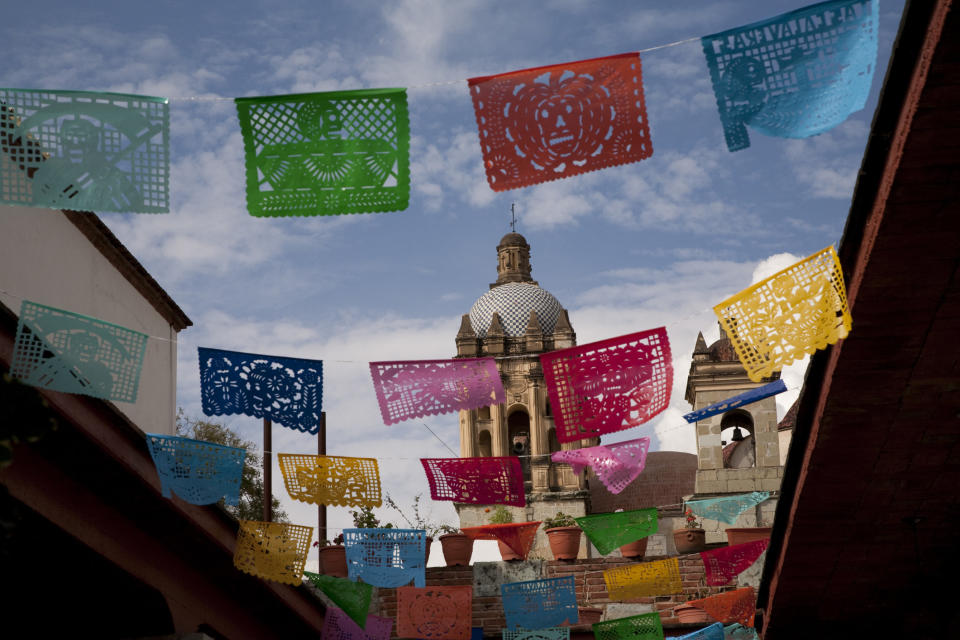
(457, 549)
(634, 549)
(564, 542)
(333, 560)
(689, 540)
(506, 553)
(689, 614)
(747, 534)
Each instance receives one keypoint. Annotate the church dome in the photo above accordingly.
(514, 301)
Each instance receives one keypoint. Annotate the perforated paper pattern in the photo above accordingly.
(85, 151)
(795, 75)
(737, 631)
(536, 604)
(550, 633)
(646, 626)
(419, 388)
(337, 625)
(435, 613)
(562, 120)
(331, 480)
(386, 557)
(608, 386)
(198, 472)
(326, 153)
(519, 536)
(728, 508)
(738, 605)
(608, 531)
(794, 312)
(617, 465)
(496, 480)
(65, 351)
(747, 397)
(713, 632)
(657, 578)
(288, 391)
(721, 565)
(352, 597)
(272, 550)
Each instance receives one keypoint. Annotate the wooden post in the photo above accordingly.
(267, 471)
(322, 450)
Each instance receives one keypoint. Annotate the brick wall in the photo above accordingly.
(589, 584)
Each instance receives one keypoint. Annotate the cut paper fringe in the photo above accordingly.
(435, 613)
(326, 153)
(386, 557)
(331, 480)
(721, 565)
(795, 75)
(608, 531)
(484, 480)
(198, 472)
(561, 120)
(776, 321)
(337, 625)
(420, 388)
(610, 385)
(745, 398)
(272, 550)
(352, 597)
(536, 604)
(728, 508)
(65, 351)
(646, 626)
(616, 465)
(288, 391)
(549, 633)
(738, 605)
(713, 632)
(85, 151)
(657, 578)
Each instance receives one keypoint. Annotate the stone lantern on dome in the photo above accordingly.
(514, 322)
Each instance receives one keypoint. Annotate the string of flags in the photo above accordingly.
(794, 75)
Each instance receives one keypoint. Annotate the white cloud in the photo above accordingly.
(827, 164)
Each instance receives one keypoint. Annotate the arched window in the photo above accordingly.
(484, 448)
(518, 438)
(737, 439)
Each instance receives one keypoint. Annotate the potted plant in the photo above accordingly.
(692, 537)
(457, 547)
(501, 515)
(332, 557)
(564, 536)
(419, 521)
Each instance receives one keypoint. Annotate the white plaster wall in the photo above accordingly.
(46, 259)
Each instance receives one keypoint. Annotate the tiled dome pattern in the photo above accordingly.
(513, 301)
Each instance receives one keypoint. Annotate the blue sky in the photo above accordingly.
(624, 249)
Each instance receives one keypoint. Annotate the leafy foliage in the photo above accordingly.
(251, 483)
(418, 521)
(501, 515)
(559, 520)
(366, 519)
(27, 417)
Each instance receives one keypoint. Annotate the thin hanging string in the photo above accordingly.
(427, 85)
(659, 507)
(657, 432)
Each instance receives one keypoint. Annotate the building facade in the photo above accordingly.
(737, 451)
(514, 322)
